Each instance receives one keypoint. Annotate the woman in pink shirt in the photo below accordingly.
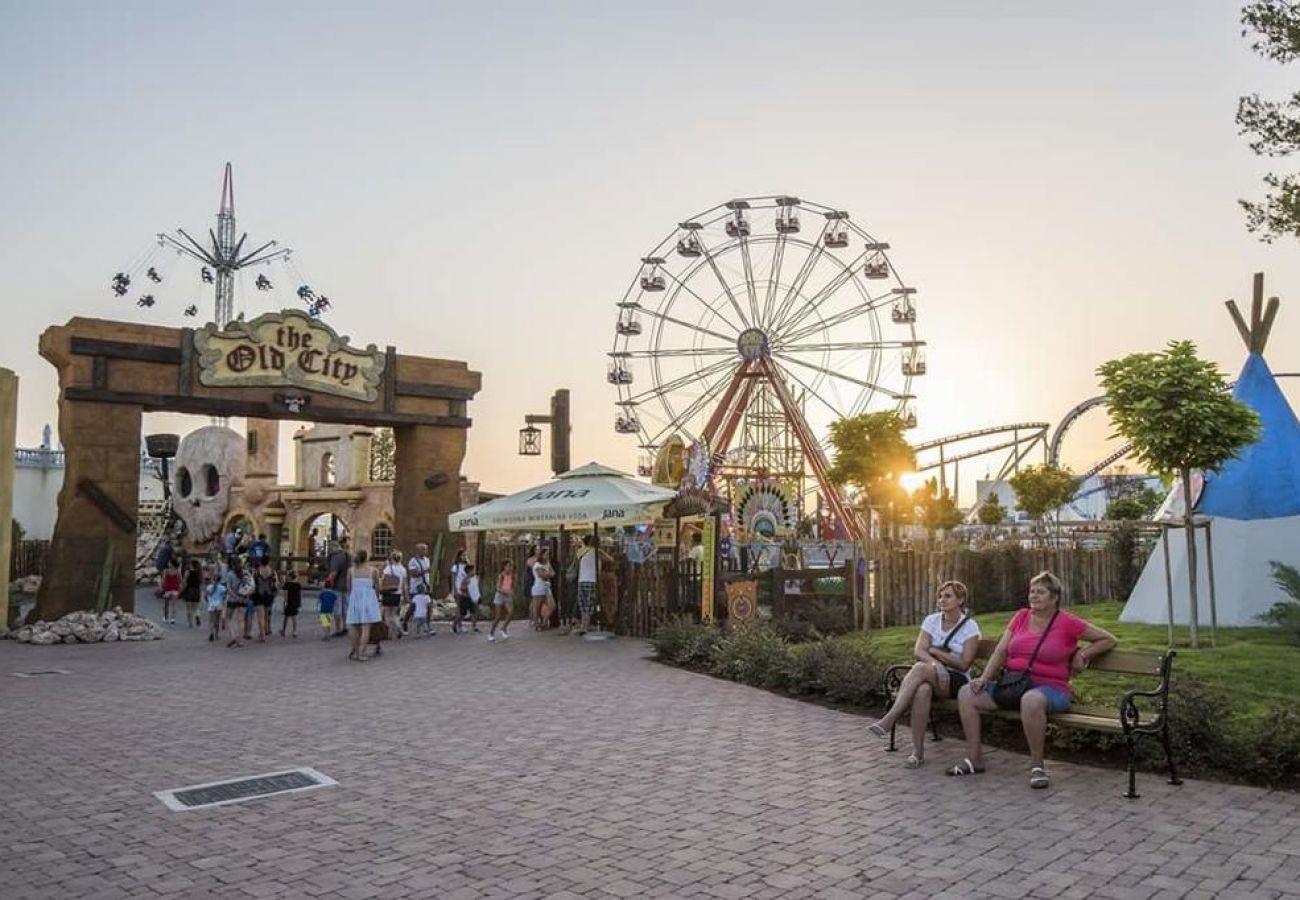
(1042, 640)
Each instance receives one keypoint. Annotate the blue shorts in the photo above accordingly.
(1058, 701)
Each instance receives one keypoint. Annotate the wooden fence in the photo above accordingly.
(906, 581)
(28, 558)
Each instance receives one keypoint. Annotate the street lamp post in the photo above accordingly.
(530, 436)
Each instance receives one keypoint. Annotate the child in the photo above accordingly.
(420, 604)
(171, 589)
(292, 602)
(467, 602)
(328, 597)
(503, 601)
(215, 594)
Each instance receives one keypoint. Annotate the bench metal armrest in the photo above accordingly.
(1129, 715)
(894, 678)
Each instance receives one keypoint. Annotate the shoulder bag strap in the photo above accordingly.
(1042, 638)
(947, 642)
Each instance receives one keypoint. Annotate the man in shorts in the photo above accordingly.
(588, 558)
(340, 568)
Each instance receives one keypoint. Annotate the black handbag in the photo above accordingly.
(1012, 686)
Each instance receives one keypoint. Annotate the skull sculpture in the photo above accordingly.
(208, 462)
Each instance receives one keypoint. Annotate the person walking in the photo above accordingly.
(503, 601)
(363, 606)
(392, 590)
(266, 584)
(418, 576)
(292, 602)
(420, 601)
(170, 587)
(239, 588)
(588, 561)
(339, 566)
(328, 600)
(192, 592)
(534, 550)
(543, 600)
(215, 595)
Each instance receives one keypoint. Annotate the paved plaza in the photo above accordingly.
(549, 766)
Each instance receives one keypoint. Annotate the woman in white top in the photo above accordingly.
(944, 651)
(392, 591)
(542, 601)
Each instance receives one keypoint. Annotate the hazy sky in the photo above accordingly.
(478, 181)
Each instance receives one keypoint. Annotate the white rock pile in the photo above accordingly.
(89, 628)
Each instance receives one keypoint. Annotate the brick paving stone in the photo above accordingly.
(640, 790)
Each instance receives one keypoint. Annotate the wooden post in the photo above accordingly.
(8, 442)
(1209, 568)
(1169, 582)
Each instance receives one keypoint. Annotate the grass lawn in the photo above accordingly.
(1260, 667)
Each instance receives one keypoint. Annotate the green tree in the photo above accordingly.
(383, 455)
(1273, 126)
(1175, 409)
(1141, 504)
(1041, 489)
(939, 513)
(991, 511)
(870, 454)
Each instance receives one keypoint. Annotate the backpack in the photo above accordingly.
(389, 583)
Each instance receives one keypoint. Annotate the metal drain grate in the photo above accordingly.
(237, 790)
(37, 673)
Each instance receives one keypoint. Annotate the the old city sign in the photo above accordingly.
(287, 348)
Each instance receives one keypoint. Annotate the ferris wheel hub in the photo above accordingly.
(752, 344)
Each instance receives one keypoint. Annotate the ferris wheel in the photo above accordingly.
(771, 306)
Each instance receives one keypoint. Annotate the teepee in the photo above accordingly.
(1252, 503)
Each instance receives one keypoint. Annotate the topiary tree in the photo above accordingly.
(991, 511)
(1175, 409)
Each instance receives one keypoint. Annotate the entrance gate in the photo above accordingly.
(278, 366)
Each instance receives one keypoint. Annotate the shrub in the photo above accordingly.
(685, 642)
(828, 617)
(753, 654)
(848, 669)
(1286, 613)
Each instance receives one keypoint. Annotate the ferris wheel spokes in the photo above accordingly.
(678, 423)
(848, 346)
(682, 285)
(778, 254)
(686, 351)
(664, 317)
(843, 277)
(678, 383)
(726, 287)
(838, 319)
(867, 385)
(815, 252)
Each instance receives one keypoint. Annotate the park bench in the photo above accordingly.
(1126, 721)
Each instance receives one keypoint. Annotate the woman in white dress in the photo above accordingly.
(363, 606)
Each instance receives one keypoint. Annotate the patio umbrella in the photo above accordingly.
(588, 495)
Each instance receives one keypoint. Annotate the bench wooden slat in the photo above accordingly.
(1123, 661)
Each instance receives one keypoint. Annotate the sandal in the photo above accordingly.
(1038, 778)
(965, 767)
(878, 730)
(913, 762)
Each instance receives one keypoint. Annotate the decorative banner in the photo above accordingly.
(707, 569)
(287, 348)
(742, 600)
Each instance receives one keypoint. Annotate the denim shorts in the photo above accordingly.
(1058, 701)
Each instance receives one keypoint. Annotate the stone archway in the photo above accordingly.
(278, 366)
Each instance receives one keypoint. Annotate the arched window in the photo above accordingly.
(381, 542)
(327, 470)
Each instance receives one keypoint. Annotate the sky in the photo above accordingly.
(1059, 181)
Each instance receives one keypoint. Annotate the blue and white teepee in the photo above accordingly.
(1253, 504)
